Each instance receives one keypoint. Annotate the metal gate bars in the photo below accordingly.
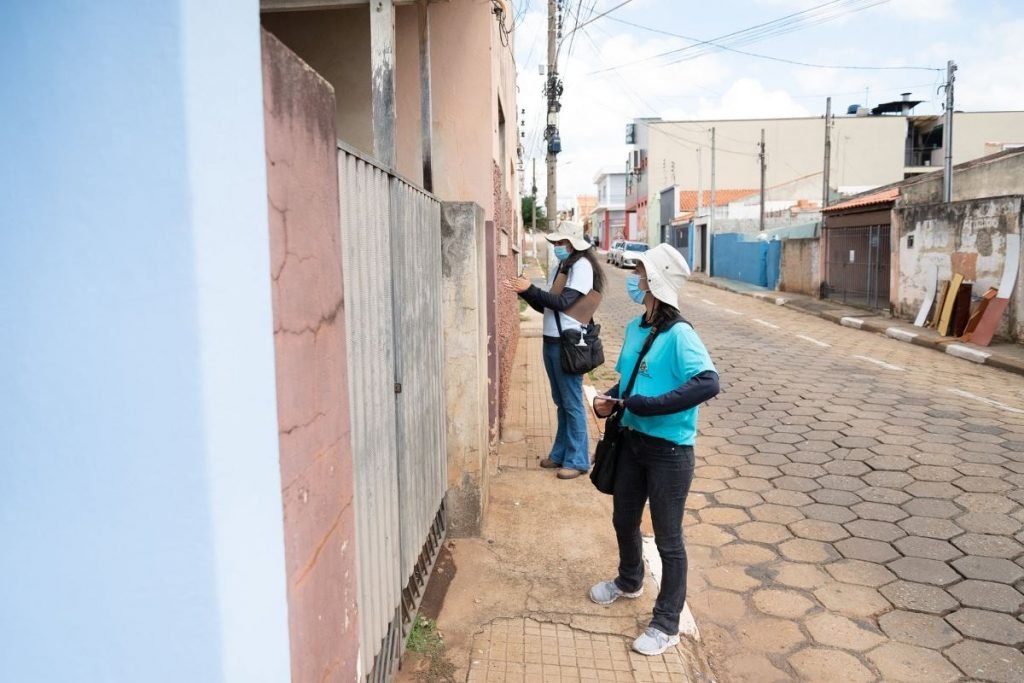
(857, 265)
(391, 231)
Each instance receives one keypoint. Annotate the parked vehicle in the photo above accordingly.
(627, 256)
(615, 249)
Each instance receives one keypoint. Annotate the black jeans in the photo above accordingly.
(653, 468)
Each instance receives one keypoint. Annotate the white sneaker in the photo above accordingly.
(653, 642)
(606, 592)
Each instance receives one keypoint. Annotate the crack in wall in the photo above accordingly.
(311, 563)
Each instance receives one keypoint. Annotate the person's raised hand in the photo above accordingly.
(517, 285)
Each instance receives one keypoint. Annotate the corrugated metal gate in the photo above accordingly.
(857, 265)
(391, 233)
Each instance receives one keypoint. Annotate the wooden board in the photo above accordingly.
(1010, 267)
(940, 299)
(961, 310)
(947, 305)
(989, 321)
(979, 311)
(929, 296)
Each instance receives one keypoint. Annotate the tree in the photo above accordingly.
(527, 212)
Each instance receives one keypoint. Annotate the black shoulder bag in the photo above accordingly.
(606, 454)
(581, 350)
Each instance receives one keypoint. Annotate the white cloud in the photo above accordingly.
(747, 98)
(989, 75)
(922, 10)
(596, 106)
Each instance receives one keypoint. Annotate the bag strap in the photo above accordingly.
(562, 269)
(648, 343)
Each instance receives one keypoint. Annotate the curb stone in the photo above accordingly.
(950, 346)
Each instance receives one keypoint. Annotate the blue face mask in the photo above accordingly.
(561, 253)
(633, 289)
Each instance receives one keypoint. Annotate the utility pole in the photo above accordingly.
(533, 221)
(552, 89)
(947, 135)
(711, 220)
(762, 180)
(700, 182)
(828, 154)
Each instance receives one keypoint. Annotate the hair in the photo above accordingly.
(663, 314)
(599, 278)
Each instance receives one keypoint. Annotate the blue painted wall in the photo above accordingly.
(755, 262)
(692, 246)
(773, 263)
(139, 482)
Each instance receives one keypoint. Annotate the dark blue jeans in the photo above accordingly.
(652, 468)
(571, 448)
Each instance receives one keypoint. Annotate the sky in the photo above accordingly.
(612, 73)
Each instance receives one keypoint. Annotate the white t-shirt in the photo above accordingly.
(581, 278)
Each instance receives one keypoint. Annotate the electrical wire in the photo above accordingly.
(679, 138)
(819, 14)
(592, 20)
(572, 34)
(776, 59)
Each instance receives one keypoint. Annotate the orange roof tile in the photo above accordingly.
(881, 197)
(688, 198)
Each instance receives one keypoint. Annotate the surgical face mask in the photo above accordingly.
(561, 253)
(633, 289)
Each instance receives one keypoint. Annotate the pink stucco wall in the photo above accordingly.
(309, 340)
(506, 305)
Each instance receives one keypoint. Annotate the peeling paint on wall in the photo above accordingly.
(968, 238)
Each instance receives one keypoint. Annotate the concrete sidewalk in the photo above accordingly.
(517, 609)
(1009, 357)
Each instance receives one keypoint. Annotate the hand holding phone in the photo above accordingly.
(604, 404)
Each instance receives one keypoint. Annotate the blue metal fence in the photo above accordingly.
(735, 257)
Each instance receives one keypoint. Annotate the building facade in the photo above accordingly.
(867, 151)
(608, 219)
(272, 268)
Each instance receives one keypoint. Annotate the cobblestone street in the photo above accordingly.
(858, 505)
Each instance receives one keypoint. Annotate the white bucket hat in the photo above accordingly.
(578, 243)
(667, 272)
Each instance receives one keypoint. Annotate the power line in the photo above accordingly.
(572, 34)
(749, 30)
(771, 58)
(593, 19)
(673, 136)
(791, 22)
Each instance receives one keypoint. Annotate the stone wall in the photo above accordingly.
(966, 237)
(312, 385)
(801, 266)
(464, 275)
(506, 305)
(996, 175)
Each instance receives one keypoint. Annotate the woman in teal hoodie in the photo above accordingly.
(656, 458)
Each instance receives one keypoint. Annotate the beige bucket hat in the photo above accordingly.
(667, 272)
(578, 243)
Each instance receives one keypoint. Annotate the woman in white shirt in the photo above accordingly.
(573, 294)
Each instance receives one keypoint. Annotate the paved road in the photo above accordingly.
(858, 509)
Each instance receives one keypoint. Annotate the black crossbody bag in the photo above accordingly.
(606, 454)
(580, 358)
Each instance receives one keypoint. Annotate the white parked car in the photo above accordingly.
(627, 256)
(615, 249)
